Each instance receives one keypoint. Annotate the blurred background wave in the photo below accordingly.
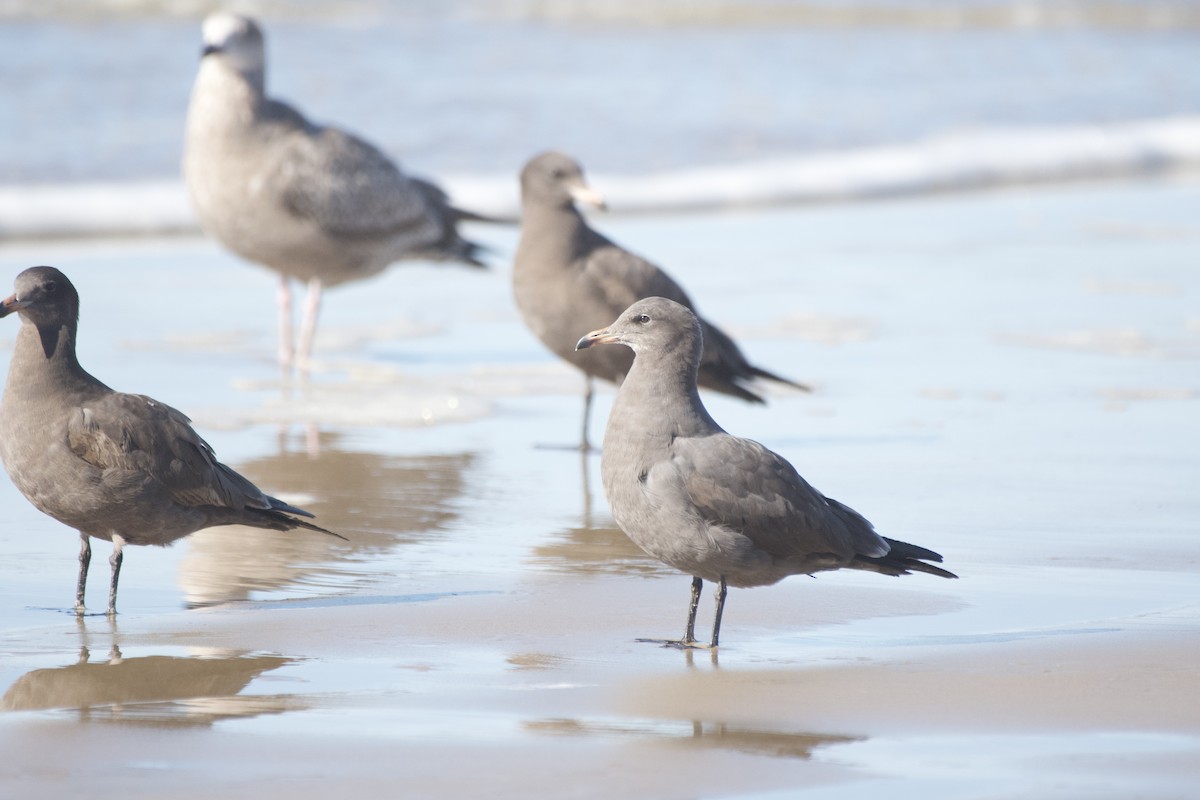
(712, 102)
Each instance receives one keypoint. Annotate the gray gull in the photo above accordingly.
(569, 279)
(715, 506)
(114, 466)
(313, 203)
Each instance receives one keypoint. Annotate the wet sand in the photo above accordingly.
(1007, 378)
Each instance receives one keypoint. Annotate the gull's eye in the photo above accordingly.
(51, 287)
(643, 318)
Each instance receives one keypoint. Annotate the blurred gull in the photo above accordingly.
(569, 279)
(120, 467)
(715, 506)
(313, 203)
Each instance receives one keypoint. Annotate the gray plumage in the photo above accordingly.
(569, 279)
(120, 467)
(312, 203)
(712, 505)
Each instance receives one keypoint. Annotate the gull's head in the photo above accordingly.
(654, 324)
(43, 296)
(236, 40)
(556, 179)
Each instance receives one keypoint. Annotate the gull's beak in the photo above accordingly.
(209, 49)
(10, 305)
(601, 336)
(582, 193)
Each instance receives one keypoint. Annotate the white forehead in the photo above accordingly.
(223, 26)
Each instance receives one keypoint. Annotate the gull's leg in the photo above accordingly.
(587, 412)
(308, 329)
(312, 440)
(722, 590)
(688, 641)
(115, 561)
(85, 560)
(587, 491)
(689, 632)
(286, 353)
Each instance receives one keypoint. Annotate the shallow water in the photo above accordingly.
(473, 88)
(1007, 378)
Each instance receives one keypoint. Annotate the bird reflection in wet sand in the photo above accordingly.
(378, 501)
(701, 734)
(151, 690)
(602, 549)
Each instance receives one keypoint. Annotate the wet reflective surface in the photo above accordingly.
(697, 734)
(150, 690)
(477, 630)
(380, 503)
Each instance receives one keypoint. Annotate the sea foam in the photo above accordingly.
(959, 161)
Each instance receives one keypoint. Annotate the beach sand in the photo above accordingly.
(1009, 378)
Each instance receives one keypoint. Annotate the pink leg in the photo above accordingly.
(587, 412)
(308, 331)
(286, 354)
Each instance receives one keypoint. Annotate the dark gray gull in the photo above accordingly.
(313, 203)
(114, 466)
(569, 279)
(712, 505)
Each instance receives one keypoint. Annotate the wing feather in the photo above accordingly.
(139, 436)
(343, 183)
(624, 277)
(741, 485)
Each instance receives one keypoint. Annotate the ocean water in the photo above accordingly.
(97, 91)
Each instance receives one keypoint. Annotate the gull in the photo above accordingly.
(712, 505)
(313, 203)
(120, 467)
(568, 279)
